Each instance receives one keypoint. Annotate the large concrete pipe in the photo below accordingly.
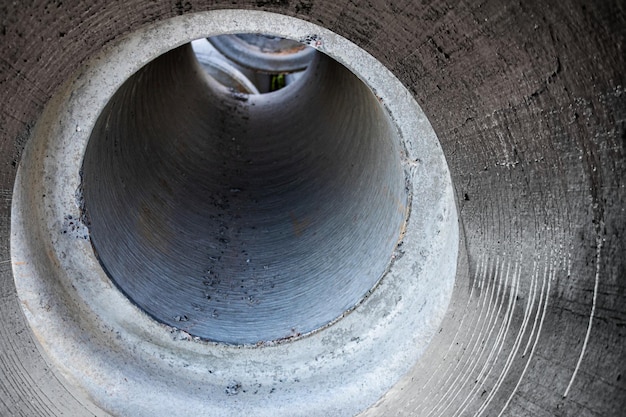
(429, 221)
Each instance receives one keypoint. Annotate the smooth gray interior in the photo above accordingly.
(239, 218)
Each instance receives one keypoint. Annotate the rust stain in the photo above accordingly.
(166, 186)
(299, 226)
(53, 258)
(150, 224)
(405, 220)
(401, 207)
(403, 227)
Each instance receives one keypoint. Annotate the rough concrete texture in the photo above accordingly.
(528, 102)
(121, 358)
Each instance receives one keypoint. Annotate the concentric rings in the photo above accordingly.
(126, 361)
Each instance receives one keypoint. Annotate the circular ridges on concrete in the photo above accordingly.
(244, 218)
(118, 356)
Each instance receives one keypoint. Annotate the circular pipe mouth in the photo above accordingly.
(260, 64)
(244, 218)
(143, 115)
(223, 70)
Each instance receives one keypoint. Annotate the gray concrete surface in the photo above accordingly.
(528, 102)
(350, 160)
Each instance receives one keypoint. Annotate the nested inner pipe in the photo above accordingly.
(242, 219)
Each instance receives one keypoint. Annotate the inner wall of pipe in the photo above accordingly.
(244, 218)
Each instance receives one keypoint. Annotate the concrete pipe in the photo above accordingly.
(428, 221)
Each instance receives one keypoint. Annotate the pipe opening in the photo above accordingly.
(238, 217)
(253, 63)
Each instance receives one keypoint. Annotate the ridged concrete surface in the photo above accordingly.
(528, 101)
(244, 219)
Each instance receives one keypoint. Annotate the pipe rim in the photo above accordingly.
(67, 316)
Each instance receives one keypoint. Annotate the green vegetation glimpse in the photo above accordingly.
(277, 82)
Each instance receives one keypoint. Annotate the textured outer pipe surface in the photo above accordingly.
(528, 101)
